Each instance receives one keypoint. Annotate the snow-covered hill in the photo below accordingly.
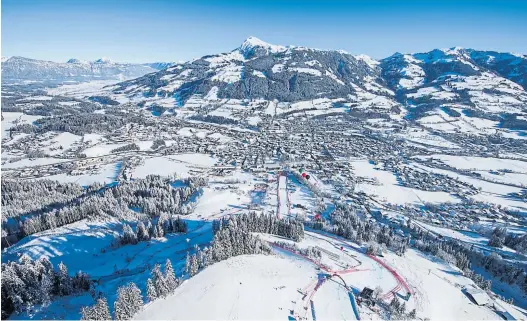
(20, 68)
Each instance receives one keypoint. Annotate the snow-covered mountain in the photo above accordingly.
(20, 68)
(257, 69)
(409, 84)
(508, 65)
(458, 79)
(443, 83)
(160, 65)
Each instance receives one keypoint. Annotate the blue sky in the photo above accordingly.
(156, 30)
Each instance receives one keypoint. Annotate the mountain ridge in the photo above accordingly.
(259, 70)
(22, 68)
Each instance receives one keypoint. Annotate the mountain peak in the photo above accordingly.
(453, 50)
(105, 60)
(75, 61)
(368, 60)
(253, 46)
(253, 42)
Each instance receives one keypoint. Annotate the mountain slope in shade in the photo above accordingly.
(259, 70)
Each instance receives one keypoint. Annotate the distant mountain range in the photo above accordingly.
(20, 68)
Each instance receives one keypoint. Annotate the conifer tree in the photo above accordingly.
(63, 280)
(159, 282)
(128, 303)
(170, 276)
(151, 292)
(99, 311)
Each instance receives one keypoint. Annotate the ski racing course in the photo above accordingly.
(283, 209)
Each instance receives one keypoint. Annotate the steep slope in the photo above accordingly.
(20, 68)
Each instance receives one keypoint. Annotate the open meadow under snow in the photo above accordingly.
(387, 189)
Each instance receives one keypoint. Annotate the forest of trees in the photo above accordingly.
(345, 223)
(232, 237)
(158, 143)
(21, 197)
(164, 225)
(153, 195)
(466, 256)
(27, 283)
(125, 148)
(80, 123)
(397, 310)
(269, 224)
(309, 251)
(501, 237)
(48, 108)
(105, 100)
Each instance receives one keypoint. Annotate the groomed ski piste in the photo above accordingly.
(283, 209)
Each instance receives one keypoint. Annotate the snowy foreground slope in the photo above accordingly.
(245, 287)
(266, 287)
(268, 182)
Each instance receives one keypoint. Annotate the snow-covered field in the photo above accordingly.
(181, 164)
(491, 192)
(32, 162)
(104, 174)
(81, 90)
(481, 163)
(389, 189)
(15, 118)
(244, 287)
